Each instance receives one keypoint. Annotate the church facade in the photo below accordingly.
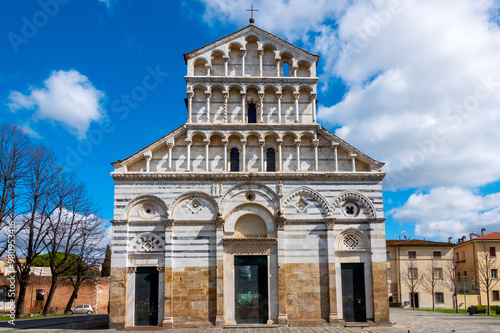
(250, 212)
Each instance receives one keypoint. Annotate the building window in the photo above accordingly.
(465, 275)
(40, 294)
(439, 297)
(388, 273)
(463, 255)
(388, 255)
(286, 70)
(252, 114)
(235, 159)
(436, 254)
(458, 256)
(493, 252)
(458, 276)
(496, 296)
(413, 273)
(412, 254)
(438, 273)
(494, 274)
(271, 160)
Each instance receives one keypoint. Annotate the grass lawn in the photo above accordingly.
(460, 312)
(4, 317)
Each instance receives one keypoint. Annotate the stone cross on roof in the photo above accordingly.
(251, 14)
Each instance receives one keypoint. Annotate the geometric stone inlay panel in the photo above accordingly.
(350, 241)
(147, 243)
(195, 205)
(301, 205)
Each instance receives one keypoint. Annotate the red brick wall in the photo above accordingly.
(86, 294)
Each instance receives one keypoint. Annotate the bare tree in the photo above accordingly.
(14, 145)
(412, 280)
(41, 180)
(432, 280)
(90, 252)
(449, 280)
(484, 265)
(72, 202)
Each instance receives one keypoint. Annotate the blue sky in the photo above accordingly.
(415, 84)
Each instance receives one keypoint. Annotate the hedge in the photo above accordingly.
(482, 308)
(394, 304)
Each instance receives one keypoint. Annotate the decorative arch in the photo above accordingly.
(268, 191)
(212, 133)
(309, 134)
(245, 209)
(352, 240)
(184, 195)
(292, 134)
(217, 86)
(358, 197)
(147, 242)
(219, 51)
(192, 134)
(306, 87)
(257, 134)
(163, 212)
(235, 43)
(289, 86)
(198, 85)
(309, 192)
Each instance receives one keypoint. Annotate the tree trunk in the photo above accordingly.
(74, 294)
(456, 302)
(50, 296)
(433, 306)
(488, 302)
(23, 286)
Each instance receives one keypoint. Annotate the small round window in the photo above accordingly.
(351, 209)
(250, 196)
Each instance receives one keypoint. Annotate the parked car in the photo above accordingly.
(82, 309)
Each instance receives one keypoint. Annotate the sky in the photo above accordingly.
(414, 84)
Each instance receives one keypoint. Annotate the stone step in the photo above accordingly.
(250, 326)
(356, 325)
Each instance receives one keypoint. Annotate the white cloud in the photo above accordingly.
(450, 211)
(423, 90)
(67, 97)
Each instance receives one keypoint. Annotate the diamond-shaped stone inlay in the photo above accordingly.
(302, 205)
(148, 245)
(350, 242)
(195, 205)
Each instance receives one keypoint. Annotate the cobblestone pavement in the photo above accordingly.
(404, 321)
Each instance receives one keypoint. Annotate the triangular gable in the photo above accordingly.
(140, 153)
(329, 135)
(257, 31)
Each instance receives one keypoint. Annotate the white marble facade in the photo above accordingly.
(229, 182)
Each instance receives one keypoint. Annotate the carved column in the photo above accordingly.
(243, 57)
(280, 228)
(226, 97)
(188, 160)
(334, 146)
(279, 96)
(170, 145)
(244, 157)
(278, 63)
(168, 318)
(297, 145)
(225, 143)
(208, 95)
(332, 279)
(243, 106)
(353, 160)
(261, 113)
(219, 233)
(148, 156)
(190, 106)
(313, 96)
(316, 162)
(226, 62)
(296, 95)
(207, 160)
(280, 158)
(261, 144)
(261, 52)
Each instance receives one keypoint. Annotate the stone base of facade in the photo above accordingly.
(307, 323)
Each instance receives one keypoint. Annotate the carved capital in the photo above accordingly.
(330, 224)
(169, 225)
(131, 270)
(114, 222)
(280, 223)
(170, 145)
(297, 143)
(243, 53)
(160, 269)
(219, 224)
(208, 95)
(225, 95)
(296, 95)
(279, 95)
(315, 143)
(190, 94)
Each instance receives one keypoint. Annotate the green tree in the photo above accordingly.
(69, 266)
(106, 264)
